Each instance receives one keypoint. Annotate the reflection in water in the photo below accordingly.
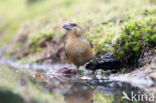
(115, 90)
(73, 91)
(80, 88)
(79, 93)
(77, 90)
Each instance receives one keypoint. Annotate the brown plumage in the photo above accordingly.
(78, 48)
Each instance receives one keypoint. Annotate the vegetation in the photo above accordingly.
(102, 29)
(136, 38)
(38, 38)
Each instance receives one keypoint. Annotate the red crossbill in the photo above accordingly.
(78, 48)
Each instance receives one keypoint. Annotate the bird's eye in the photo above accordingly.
(73, 24)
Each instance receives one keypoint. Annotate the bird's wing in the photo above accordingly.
(90, 43)
(66, 53)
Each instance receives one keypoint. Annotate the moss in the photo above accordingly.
(136, 36)
(103, 37)
(38, 39)
(102, 22)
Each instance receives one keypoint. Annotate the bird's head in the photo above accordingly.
(73, 28)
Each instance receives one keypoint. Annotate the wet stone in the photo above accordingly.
(105, 62)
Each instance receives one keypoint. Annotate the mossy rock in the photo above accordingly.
(135, 38)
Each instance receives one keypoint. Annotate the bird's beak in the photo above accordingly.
(67, 27)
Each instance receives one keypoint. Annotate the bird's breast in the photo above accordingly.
(76, 48)
(79, 51)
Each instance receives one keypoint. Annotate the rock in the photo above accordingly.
(106, 62)
(148, 58)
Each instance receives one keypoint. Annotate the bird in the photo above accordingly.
(78, 48)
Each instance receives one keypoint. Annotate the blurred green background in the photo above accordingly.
(101, 19)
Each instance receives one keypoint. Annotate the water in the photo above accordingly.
(84, 87)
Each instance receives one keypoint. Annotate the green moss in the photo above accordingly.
(38, 39)
(102, 22)
(103, 37)
(136, 36)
